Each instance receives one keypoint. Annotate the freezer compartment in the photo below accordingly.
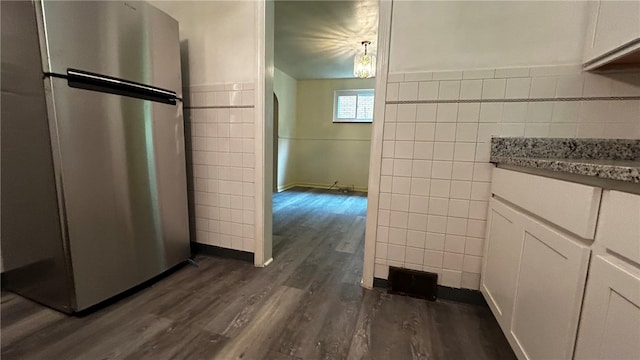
(126, 40)
(123, 172)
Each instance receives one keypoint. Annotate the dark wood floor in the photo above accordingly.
(306, 305)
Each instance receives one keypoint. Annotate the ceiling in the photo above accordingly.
(318, 39)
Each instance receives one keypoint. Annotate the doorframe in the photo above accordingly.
(263, 119)
(385, 9)
(276, 140)
(264, 131)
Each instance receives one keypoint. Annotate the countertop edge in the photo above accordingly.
(574, 166)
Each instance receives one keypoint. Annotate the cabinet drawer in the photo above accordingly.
(571, 206)
(619, 224)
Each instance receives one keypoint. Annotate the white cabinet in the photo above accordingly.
(536, 261)
(541, 236)
(619, 224)
(571, 206)
(613, 33)
(610, 323)
(501, 260)
(548, 296)
(537, 310)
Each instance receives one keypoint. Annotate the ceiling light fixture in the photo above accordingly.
(364, 66)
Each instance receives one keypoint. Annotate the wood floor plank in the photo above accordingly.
(250, 297)
(336, 333)
(389, 336)
(116, 342)
(308, 304)
(253, 341)
(31, 318)
(360, 347)
(179, 341)
(301, 335)
(352, 239)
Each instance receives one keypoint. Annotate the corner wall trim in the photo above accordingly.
(268, 262)
(385, 10)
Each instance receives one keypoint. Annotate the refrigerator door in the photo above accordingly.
(126, 40)
(124, 183)
(34, 260)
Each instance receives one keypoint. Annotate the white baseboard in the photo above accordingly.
(282, 188)
(316, 186)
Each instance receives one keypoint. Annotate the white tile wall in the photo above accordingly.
(221, 121)
(435, 176)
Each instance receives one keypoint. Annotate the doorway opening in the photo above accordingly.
(322, 133)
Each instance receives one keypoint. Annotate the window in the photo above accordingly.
(353, 105)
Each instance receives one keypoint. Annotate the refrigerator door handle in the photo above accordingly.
(90, 81)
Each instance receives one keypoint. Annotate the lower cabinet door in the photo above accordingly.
(610, 322)
(501, 260)
(548, 295)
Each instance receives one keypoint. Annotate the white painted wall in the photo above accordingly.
(220, 65)
(433, 180)
(463, 35)
(314, 151)
(221, 39)
(285, 88)
(328, 151)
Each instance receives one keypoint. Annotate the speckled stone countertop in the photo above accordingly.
(603, 158)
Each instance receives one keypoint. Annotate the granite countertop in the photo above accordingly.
(602, 158)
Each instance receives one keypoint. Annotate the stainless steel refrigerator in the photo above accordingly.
(94, 192)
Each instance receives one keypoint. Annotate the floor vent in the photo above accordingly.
(423, 285)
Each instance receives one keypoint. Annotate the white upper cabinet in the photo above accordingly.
(613, 34)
